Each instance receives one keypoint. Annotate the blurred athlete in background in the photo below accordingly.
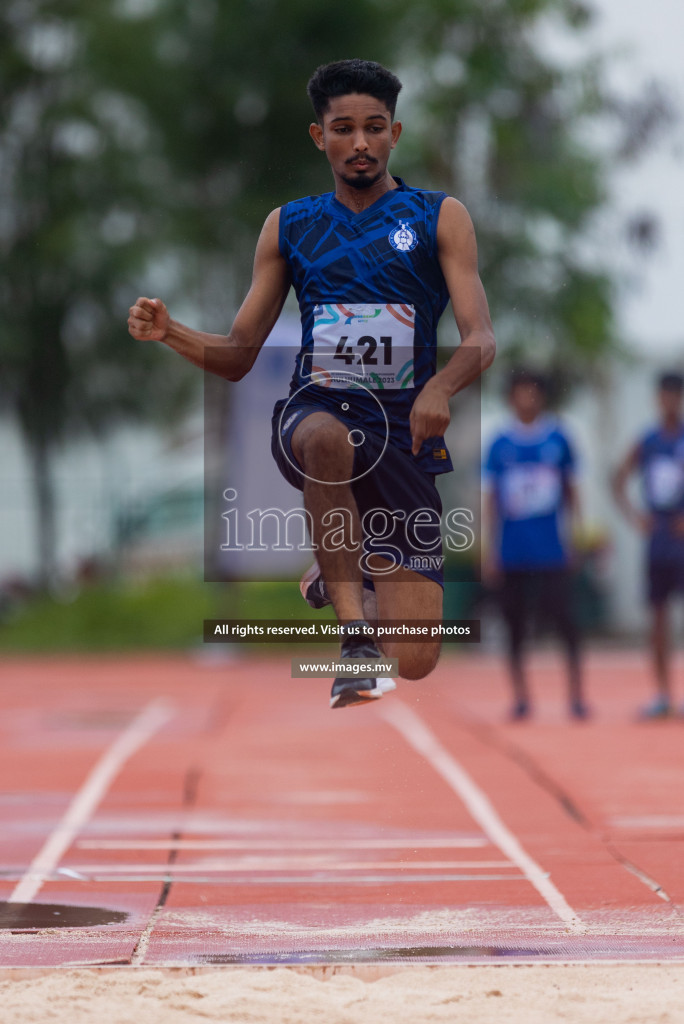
(374, 264)
(658, 458)
(530, 504)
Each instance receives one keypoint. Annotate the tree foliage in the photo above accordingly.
(523, 141)
(143, 142)
(488, 116)
(76, 219)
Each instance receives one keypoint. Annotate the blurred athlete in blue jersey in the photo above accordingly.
(531, 496)
(658, 458)
(373, 264)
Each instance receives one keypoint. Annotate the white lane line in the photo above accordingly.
(292, 864)
(298, 881)
(140, 730)
(339, 843)
(419, 736)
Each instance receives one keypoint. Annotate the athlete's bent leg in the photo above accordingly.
(402, 596)
(322, 448)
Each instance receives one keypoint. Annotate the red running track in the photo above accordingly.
(162, 811)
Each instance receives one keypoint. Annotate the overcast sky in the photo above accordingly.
(646, 40)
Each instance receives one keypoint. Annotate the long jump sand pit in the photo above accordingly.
(521, 993)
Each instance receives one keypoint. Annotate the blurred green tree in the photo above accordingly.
(526, 135)
(143, 142)
(76, 219)
(523, 137)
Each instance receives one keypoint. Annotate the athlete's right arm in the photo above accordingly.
(229, 355)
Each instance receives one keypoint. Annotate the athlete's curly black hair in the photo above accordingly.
(343, 77)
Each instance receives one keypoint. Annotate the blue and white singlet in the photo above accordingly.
(371, 292)
(527, 466)
(661, 461)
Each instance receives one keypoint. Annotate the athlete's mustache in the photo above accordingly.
(361, 159)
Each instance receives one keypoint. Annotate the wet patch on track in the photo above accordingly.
(20, 917)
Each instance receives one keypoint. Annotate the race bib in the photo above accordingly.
(665, 482)
(531, 489)
(361, 345)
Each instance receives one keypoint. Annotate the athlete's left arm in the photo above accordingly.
(573, 505)
(457, 254)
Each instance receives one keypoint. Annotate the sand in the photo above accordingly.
(524, 994)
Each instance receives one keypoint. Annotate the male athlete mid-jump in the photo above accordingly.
(373, 264)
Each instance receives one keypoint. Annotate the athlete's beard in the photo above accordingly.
(363, 180)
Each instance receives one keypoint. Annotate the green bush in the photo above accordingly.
(156, 614)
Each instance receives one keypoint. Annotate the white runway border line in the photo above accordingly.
(138, 732)
(421, 738)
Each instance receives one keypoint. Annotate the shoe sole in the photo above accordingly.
(351, 697)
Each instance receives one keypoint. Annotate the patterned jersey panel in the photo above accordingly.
(371, 293)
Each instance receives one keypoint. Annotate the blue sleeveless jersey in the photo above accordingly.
(370, 292)
(661, 461)
(527, 467)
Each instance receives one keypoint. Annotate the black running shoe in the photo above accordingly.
(350, 690)
(579, 710)
(520, 711)
(313, 588)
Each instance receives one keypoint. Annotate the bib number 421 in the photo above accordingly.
(368, 346)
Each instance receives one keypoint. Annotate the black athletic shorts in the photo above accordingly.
(664, 580)
(665, 567)
(399, 505)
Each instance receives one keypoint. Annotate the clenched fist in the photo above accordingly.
(148, 320)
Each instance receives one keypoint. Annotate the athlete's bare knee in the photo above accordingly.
(320, 442)
(417, 662)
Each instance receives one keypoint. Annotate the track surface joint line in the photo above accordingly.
(568, 804)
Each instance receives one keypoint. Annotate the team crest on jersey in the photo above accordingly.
(403, 238)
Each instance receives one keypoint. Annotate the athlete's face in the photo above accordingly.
(527, 401)
(670, 402)
(357, 136)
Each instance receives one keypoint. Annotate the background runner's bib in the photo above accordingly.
(530, 489)
(661, 458)
(665, 482)
(367, 345)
